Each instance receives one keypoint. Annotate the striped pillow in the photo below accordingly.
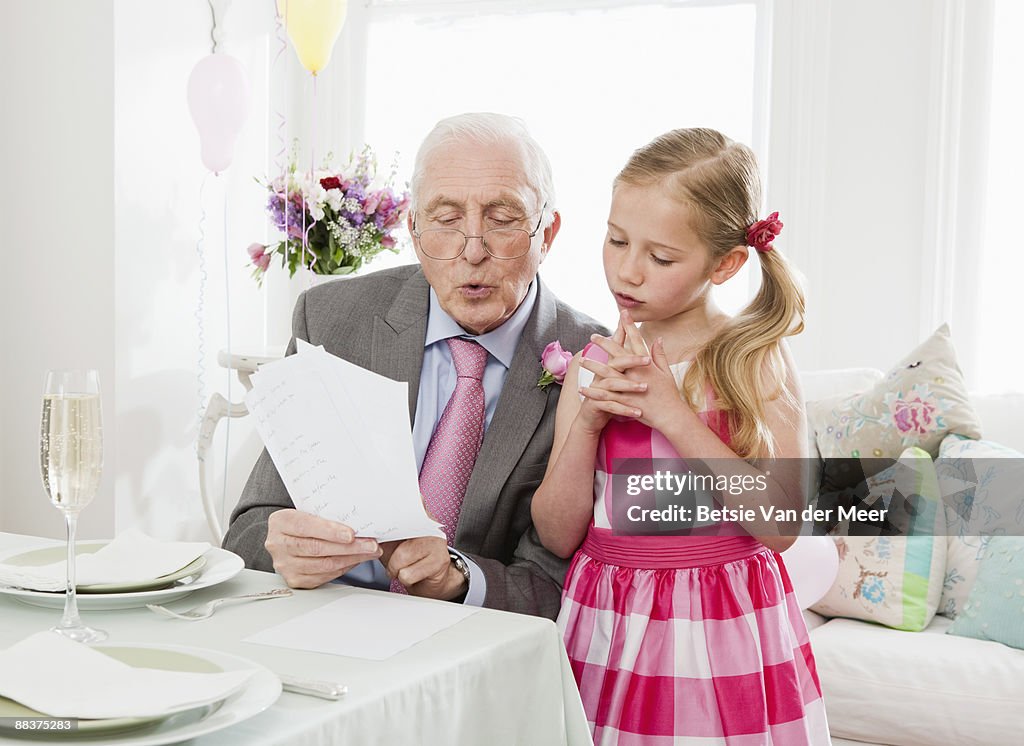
(894, 580)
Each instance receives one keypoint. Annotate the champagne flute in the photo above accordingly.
(71, 458)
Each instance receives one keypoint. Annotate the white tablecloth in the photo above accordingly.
(493, 678)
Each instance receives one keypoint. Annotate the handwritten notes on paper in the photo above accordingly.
(340, 438)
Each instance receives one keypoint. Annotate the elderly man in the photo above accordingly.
(466, 329)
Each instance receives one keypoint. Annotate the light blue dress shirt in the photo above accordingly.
(437, 382)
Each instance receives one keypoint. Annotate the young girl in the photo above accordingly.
(687, 637)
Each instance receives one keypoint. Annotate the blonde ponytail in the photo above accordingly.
(718, 180)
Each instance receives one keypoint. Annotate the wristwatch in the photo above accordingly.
(460, 565)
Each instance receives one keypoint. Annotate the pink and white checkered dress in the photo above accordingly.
(693, 641)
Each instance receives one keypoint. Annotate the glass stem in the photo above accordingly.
(70, 599)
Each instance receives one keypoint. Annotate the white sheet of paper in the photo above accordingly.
(372, 626)
(340, 438)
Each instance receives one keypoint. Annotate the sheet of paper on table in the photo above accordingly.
(340, 438)
(373, 626)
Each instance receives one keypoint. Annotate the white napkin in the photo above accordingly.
(131, 557)
(63, 678)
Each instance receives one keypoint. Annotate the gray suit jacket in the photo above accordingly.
(379, 322)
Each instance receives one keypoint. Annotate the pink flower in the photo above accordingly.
(761, 234)
(388, 242)
(914, 414)
(371, 203)
(556, 361)
(259, 256)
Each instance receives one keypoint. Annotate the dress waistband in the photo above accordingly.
(667, 552)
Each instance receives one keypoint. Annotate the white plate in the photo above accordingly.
(221, 565)
(256, 695)
(49, 555)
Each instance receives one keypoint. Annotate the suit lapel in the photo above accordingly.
(398, 336)
(521, 406)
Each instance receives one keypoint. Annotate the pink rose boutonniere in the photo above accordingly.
(555, 363)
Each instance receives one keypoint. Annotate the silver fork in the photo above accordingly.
(205, 611)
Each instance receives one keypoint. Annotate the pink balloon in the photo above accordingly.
(813, 563)
(218, 99)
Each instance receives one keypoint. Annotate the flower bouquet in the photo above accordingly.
(332, 221)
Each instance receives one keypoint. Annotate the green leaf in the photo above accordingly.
(545, 380)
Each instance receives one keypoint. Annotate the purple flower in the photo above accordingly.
(275, 207)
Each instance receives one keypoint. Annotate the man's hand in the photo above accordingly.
(424, 567)
(309, 551)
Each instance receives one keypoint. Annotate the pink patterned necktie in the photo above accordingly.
(455, 443)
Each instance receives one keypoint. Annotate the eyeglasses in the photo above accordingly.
(501, 243)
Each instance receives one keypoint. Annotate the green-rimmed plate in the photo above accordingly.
(258, 693)
(185, 574)
(220, 565)
(49, 555)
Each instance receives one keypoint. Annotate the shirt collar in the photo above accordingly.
(501, 342)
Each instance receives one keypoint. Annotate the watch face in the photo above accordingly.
(460, 565)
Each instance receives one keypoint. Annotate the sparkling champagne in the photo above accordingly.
(71, 449)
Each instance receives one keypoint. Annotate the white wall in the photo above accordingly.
(101, 205)
(57, 283)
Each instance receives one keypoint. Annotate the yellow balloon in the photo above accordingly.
(313, 26)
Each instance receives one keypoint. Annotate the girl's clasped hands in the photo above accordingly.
(635, 383)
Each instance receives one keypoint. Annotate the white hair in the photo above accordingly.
(488, 128)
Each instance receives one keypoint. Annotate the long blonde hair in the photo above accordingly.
(717, 179)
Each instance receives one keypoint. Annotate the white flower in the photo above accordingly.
(335, 199)
(316, 193)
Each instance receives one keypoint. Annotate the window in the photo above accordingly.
(626, 72)
(1000, 360)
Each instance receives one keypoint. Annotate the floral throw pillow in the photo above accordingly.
(994, 610)
(894, 580)
(919, 401)
(992, 505)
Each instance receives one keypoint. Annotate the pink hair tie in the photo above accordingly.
(761, 234)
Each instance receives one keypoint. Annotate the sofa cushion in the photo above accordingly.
(919, 401)
(894, 580)
(963, 556)
(995, 608)
(918, 688)
(991, 505)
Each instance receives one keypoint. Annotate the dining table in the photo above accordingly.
(494, 677)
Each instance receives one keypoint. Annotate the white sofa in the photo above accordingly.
(892, 688)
